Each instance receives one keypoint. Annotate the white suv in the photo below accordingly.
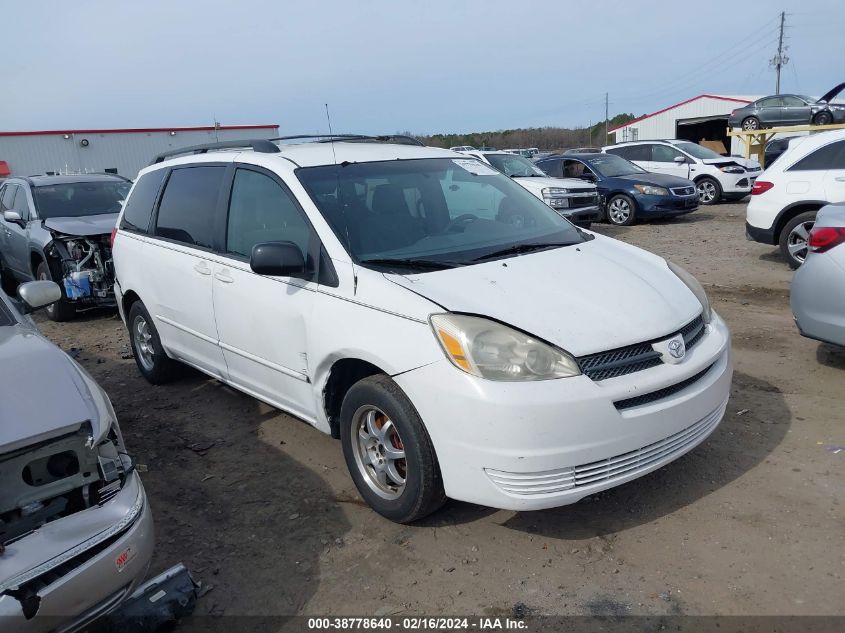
(785, 199)
(716, 177)
(576, 200)
(457, 335)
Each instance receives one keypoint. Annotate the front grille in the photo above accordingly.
(607, 470)
(683, 191)
(633, 358)
(647, 398)
(583, 201)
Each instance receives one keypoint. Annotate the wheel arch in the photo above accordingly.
(341, 375)
(793, 210)
(129, 297)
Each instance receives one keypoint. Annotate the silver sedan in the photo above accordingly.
(818, 288)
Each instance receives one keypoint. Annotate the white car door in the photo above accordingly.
(179, 258)
(263, 320)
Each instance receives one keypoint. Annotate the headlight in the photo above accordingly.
(732, 169)
(553, 192)
(696, 288)
(650, 190)
(490, 350)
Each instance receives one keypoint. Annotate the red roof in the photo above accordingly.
(142, 130)
(648, 116)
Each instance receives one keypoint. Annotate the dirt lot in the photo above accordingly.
(260, 506)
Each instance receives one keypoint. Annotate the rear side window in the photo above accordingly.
(188, 205)
(632, 152)
(261, 210)
(139, 206)
(830, 156)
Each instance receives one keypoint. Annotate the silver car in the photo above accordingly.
(76, 532)
(817, 296)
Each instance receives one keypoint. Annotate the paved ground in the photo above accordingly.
(260, 506)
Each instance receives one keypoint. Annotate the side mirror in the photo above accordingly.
(679, 159)
(14, 217)
(38, 294)
(588, 176)
(278, 259)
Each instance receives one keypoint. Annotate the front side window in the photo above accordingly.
(77, 199)
(793, 102)
(438, 211)
(8, 199)
(831, 156)
(664, 154)
(188, 205)
(20, 204)
(260, 210)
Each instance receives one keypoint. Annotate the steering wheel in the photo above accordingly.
(461, 219)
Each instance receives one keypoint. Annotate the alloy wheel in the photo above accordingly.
(797, 241)
(706, 191)
(619, 210)
(379, 452)
(143, 339)
(750, 124)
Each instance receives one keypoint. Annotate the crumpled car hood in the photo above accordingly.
(83, 226)
(586, 298)
(42, 392)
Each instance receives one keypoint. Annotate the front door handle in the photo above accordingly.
(202, 268)
(224, 276)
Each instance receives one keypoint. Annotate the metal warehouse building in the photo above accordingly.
(124, 151)
(704, 117)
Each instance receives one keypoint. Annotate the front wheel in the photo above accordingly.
(620, 211)
(795, 236)
(709, 191)
(823, 118)
(61, 310)
(388, 452)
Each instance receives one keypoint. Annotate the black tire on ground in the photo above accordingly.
(823, 118)
(616, 210)
(160, 368)
(423, 490)
(709, 190)
(751, 123)
(62, 310)
(790, 238)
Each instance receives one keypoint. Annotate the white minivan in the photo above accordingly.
(457, 335)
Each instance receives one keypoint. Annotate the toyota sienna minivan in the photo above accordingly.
(458, 336)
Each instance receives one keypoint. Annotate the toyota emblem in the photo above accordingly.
(676, 348)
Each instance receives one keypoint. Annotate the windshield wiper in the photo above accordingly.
(516, 249)
(419, 264)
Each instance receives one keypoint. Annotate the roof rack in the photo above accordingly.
(399, 139)
(257, 145)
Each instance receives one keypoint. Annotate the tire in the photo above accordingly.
(377, 403)
(750, 124)
(709, 190)
(822, 118)
(150, 357)
(793, 238)
(62, 310)
(621, 210)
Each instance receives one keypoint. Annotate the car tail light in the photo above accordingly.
(824, 238)
(761, 186)
(113, 236)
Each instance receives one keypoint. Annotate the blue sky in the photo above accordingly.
(386, 66)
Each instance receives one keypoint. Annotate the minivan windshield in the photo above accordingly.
(611, 165)
(76, 199)
(430, 213)
(515, 166)
(697, 151)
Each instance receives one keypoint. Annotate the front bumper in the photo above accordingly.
(819, 314)
(83, 565)
(535, 445)
(739, 185)
(662, 206)
(582, 214)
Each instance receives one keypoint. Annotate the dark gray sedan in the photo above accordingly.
(779, 110)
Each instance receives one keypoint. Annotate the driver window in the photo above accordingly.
(21, 205)
(8, 198)
(664, 154)
(573, 169)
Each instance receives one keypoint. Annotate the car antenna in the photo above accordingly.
(340, 202)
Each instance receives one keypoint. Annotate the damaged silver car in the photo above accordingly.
(59, 228)
(76, 532)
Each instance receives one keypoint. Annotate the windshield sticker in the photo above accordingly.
(475, 167)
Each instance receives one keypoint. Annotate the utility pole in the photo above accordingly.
(779, 60)
(606, 132)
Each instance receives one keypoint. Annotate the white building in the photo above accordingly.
(704, 117)
(123, 151)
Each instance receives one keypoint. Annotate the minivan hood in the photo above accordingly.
(84, 226)
(43, 393)
(586, 298)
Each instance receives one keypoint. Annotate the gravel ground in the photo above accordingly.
(261, 508)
